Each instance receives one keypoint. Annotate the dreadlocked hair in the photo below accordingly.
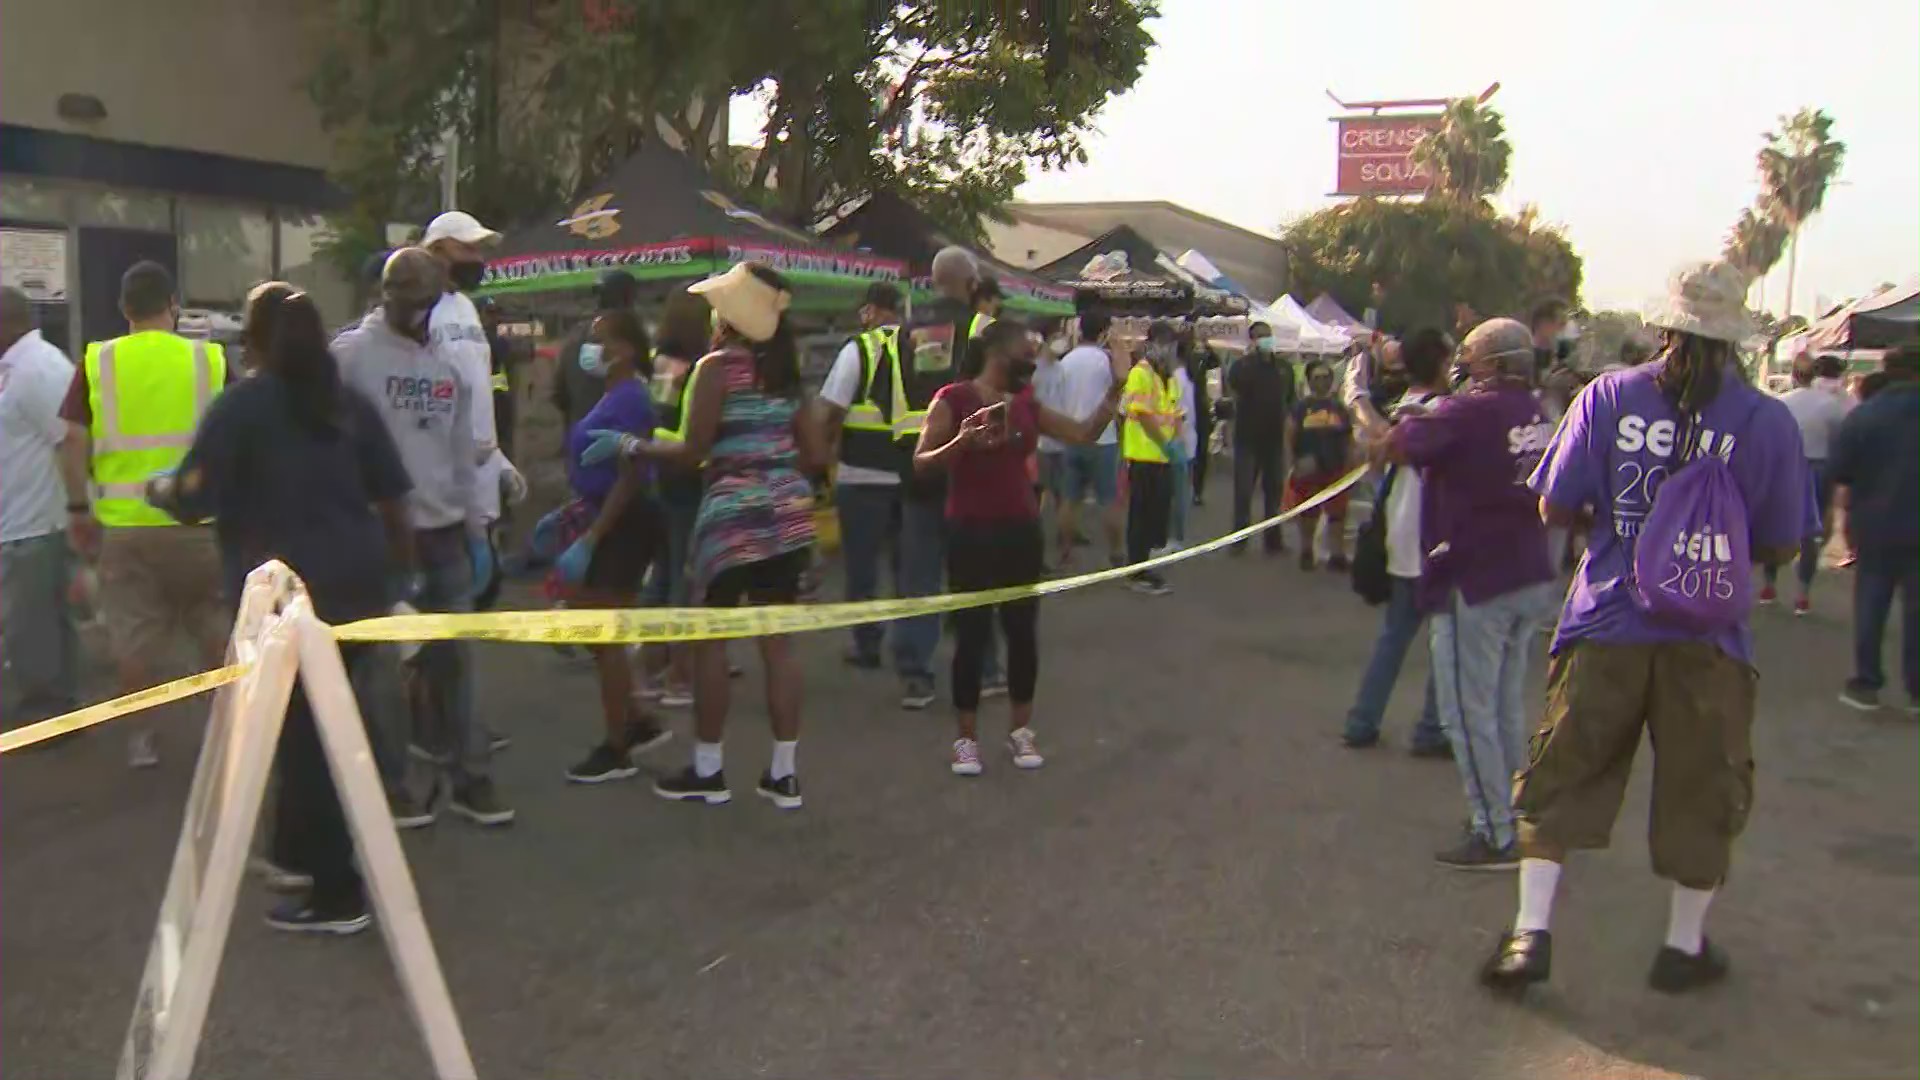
(1695, 369)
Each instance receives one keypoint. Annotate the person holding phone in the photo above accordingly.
(978, 433)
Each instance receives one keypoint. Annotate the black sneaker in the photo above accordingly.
(1360, 742)
(1306, 559)
(1431, 750)
(603, 763)
(498, 741)
(863, 661)
(689, 786)
(1521, 959)
(919, 693)
(783, 793)
(300, 916)
(1337, 564)
(477, 803)
(1676, 972)
(1860, 698)
(644, 735)
(1476, 852)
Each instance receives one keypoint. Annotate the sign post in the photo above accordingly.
(277, 634)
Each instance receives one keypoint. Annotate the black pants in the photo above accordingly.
(1258, 461)
(1200, 458)
(1149, 507)
(993, 557)
(310, 828)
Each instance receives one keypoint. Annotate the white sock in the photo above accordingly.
(1538, 879)
(706, 759)
(1687, 918)
(783, 752)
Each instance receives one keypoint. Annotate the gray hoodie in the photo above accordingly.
(424, 402)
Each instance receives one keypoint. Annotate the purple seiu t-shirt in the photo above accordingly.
(1479, 525)
(626, 406)
(1616, 446)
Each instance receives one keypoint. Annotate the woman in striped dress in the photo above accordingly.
(753, 537)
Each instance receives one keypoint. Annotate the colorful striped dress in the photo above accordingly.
(757, 504)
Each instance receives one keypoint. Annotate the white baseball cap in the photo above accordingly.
(458, 225)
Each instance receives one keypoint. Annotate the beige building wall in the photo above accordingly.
(222, 76)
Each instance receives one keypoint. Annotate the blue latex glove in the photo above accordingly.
(1177, 453)
(480, 554)
(574, 561)
(606, 443)
(545, 542)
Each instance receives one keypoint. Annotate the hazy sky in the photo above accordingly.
(1634, 123)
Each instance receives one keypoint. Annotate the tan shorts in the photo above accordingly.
(160, 585)
(1695, 702)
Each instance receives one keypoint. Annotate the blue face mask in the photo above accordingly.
(593, 359)
(1264, 344)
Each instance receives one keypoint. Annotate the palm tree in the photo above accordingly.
(1467, 154)
(1755, 243)
(1800, 159)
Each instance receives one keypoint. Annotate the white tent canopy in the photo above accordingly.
(1315, 336)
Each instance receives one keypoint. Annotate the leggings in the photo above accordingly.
(991, 556)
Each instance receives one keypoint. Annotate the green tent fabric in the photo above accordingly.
(887, 224)
(660, 217)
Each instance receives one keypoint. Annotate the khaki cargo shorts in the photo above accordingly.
(160, 586)
(1696, 704)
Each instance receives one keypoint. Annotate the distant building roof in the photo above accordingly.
(1042, 232)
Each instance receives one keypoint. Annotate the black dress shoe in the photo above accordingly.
(1522, 958)
(1676, 972)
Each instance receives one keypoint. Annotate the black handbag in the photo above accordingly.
(1370, 578)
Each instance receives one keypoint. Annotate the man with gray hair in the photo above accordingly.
(1485, 577)
(37, 641)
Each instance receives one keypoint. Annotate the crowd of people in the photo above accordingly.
(963, 446)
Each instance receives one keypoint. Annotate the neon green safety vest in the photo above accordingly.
(1146, 392)
(868, 437)
(147, 392)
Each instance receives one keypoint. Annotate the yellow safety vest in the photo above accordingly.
(147, 392)
(1146, 392)
(868, 437)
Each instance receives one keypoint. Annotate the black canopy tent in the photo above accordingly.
(660, 217)
(1886, 321)
(887, 224)
(1125, 271)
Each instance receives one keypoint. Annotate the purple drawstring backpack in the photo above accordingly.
(1692, 564)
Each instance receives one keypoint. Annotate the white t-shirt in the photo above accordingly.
(33, 380)
(1046, 380)
(1818, 412)
(458, 338)
(1079, 386)
(842, 388)
(1189, 431)
(1403, 508)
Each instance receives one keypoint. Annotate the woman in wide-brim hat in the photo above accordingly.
(753, 535)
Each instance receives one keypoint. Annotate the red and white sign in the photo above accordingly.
(1375, 154)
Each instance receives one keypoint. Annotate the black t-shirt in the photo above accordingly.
(1325, 432)
(280, 491)
(933, 353)
(1263, 392)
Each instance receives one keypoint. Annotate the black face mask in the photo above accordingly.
(408, 320)
(1019, 374)
(466, 275)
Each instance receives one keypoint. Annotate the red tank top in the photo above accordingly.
(990, 486)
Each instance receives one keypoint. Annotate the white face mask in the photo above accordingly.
(593, 358)
(1058, 346)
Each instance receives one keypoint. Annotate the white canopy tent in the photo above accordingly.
(1315, 336)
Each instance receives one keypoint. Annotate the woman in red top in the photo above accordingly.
(981, 432)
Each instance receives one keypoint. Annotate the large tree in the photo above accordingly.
(948, 102)
(1799, 161)
(1430, 255)
(1467, 154)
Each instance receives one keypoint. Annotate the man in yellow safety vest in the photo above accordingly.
(1151, 408)
(130, 412)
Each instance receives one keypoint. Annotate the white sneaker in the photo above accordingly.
(966, 757)
(676, 698)
(1026, 752)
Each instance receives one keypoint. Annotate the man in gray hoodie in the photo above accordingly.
(425, 405)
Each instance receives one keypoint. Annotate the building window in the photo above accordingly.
(304, 262)
(122, 209)
(225, 250)
(22, 199)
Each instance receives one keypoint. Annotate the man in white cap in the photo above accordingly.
(458, 240)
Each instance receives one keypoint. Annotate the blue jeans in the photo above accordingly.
(668, 584)
(1876, 577)
(38, 641)
(1399, 625)
(922, 571)
(1812, 546)
(448, 730)
(1182, 500)
(1480, 673)
(869, 514)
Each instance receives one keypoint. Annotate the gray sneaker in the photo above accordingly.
(409, 812)
(477, 803)
(1476, 852)
(919, 693)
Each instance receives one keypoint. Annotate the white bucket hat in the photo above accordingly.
(1706, 299)
(743, 301)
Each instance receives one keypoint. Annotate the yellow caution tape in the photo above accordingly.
(120, 706)
(632, 625)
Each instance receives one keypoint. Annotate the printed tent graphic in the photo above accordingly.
(660, 217)
(1125, 270)
(888, 225)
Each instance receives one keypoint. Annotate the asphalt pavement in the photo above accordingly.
(1201, 883)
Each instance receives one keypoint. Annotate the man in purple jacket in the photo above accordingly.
(1486, 578)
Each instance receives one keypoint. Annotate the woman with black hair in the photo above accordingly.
(753, 536)
(291, 465)
(603, 565)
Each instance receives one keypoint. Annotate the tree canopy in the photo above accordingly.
(947, 102)
(1468, 154)
(1430, 255)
